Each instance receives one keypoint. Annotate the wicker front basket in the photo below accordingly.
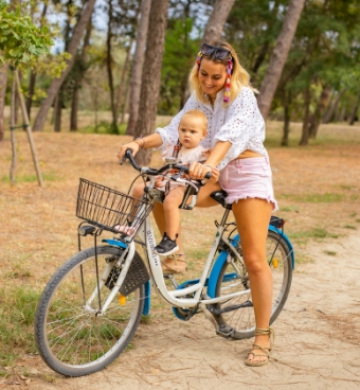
(109, 209)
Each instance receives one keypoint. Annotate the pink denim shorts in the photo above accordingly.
(248, 178)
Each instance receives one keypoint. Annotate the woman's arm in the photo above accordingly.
(198, 170)
(150, 141)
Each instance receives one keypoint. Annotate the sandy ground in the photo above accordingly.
(316, 344)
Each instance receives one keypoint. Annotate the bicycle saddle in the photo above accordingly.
(220, 197)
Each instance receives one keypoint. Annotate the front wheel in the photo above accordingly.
(236, 315)
(71, 336)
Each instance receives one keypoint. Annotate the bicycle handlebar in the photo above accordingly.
(153, 172)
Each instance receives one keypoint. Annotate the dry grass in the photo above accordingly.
(317, 188)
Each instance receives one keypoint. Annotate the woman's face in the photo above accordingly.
(212, 77)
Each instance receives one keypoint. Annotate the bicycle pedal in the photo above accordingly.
(225, 331)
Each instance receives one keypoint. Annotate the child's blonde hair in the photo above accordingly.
(200, 115)
(239, 76)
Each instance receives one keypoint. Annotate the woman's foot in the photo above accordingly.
(174, 264)
(166, 246)
(260, 351)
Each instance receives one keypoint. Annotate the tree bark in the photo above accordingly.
(32, 78)
(137, 67)
(3, 84)
(73, 46)
(215, 26)
(305, 129)
(151, 77)
(109, 63)
(353, 115)
(286, 99)
(122, 88)
(279, 56)
(315, 118)
(332, 109)
(79, 77)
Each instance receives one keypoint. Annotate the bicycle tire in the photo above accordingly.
(70, 337)
(239, 321)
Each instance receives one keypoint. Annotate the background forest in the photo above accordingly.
(97, 49)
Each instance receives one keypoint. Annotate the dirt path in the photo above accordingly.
(316, 345)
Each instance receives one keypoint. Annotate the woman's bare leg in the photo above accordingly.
(252, 218)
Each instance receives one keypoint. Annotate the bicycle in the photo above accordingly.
(92, 305)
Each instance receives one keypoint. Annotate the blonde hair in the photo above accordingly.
(239, 76)
(197, 114)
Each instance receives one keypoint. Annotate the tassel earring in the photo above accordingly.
(228, 81)
(198, 60)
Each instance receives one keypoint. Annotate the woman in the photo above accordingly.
(236, 132)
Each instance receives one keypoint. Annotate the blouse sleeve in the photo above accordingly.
(244, 124)
(169, 134)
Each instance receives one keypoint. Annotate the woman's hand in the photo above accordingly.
(198, 171)
(134, 146)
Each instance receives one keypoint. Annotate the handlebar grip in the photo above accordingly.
(128, 155)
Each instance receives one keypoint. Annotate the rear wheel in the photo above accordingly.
(71, 336)
(236, 316)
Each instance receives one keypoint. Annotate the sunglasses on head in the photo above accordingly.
(220, 53)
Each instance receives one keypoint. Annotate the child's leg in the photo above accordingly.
(172, 213)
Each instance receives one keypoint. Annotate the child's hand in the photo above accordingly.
(158, 181)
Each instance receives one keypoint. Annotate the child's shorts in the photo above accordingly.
(248, 178)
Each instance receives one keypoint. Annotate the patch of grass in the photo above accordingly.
(104, 127)
(17, 313)
(346, 187)
(328, 197)
(350, 227)
(293, 209)
(315, 233)
(330, 253)
(301, 258)
(30, 178)
(357, 220)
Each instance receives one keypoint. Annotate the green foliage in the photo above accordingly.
(20, 39)
(179, 57)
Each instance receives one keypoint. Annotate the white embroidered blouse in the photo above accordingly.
(240, 123)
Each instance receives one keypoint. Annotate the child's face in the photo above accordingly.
(191, 131)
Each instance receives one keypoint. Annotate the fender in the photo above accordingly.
(221, 259)
(147, 301)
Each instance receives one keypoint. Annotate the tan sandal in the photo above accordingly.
(174, 264)
(265, 350)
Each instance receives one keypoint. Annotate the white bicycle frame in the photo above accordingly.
(177, 297)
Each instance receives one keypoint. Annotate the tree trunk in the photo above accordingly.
(332, 109)
(215, 26)
(122, 88)
(305, 129)
(79, 79)
(286, 99)
(12, 135)
(32, 79)
(279, 56)
(26, 123)
(341, 114)
(109, 62)
(58, 111)
(315, 118)
(3, 84)
(73, 46)
(151, 78)
(136, 71)
(30, 95)
(353, 115)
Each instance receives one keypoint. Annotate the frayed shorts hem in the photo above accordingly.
(248, 178)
